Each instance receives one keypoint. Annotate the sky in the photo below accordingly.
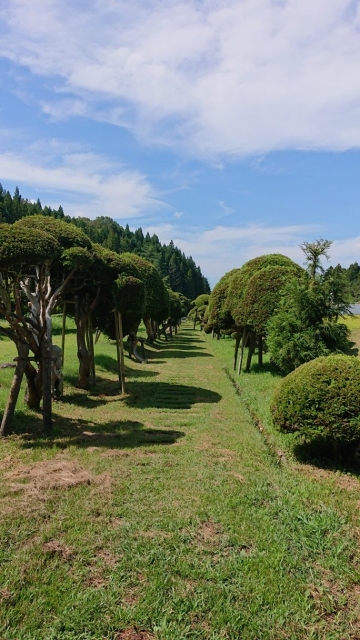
(231, 127)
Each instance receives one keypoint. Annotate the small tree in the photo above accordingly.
(305, 325)
(313, 252)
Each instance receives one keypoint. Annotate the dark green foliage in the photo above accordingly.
(305, 325)
(157, 298)
(219, 316)
(201, 301)
(263, 294)
(240, 279)
(66, 234)
(321, 399)
(23, 246)
(175, 306)
(77, 258)
(129, 296)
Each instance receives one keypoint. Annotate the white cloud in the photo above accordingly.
(219, 77)
(224, 248)
(87, 183)
(178, 214)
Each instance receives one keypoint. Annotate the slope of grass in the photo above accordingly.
(166, 513)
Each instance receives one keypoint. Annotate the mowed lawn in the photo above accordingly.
(171, 513)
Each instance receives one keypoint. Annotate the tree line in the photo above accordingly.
(180, 272)
(48, 265)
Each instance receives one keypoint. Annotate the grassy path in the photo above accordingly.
(165, 515)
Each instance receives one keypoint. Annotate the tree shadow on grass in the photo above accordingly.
(119, 434)
(164, 395)
(320, 453)
(267, 367)
(180, 353)
(108, 363)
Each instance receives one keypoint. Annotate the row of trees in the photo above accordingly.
(45, 264)
(296, 311)
(181, 272)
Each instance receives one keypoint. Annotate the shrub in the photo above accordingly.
(304, 326)
(321, 400)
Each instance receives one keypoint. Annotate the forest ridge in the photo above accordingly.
(181, 273)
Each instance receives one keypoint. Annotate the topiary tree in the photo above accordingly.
(243, 292)
(156, 296)
(129, 301)
(175, 309)
(320, 400)
(199, 305)
(219, 316)
(75, 262)
(27, 300)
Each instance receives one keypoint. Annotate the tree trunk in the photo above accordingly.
(118, 354)
(92, 350)
(250, 352)
(63, 333)
(237, 343)
(46, 384)
(260, 350)
(149, 330)
(33, 393)
(122, 363)
(23, 351)
(83, 352)
(243, 343)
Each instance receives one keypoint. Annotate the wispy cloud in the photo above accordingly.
(221, 249)
(87, 183)
(219, 78)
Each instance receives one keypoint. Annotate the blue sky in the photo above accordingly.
(229, 126)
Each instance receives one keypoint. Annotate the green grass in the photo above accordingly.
(186, 522)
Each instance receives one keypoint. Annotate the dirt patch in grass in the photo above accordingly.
(5, 594)
(96, 579)
(57, 548)
(133, 634)
(131, 598)
(343, 481)
(209, 533)
(48, 474)
(155, 534)
(107, 557)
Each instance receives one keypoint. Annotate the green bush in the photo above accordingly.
(21, 247)
(65, 233)
(321, 400)
(304, 326)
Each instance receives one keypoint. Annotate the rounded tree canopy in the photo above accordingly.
(65, 233)
(108, 264)
(240, 279)
(25, 246)
(263, 294)
(157, 298)
(219, 316)
(201, 301)
(129, 296)
(176, 310)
